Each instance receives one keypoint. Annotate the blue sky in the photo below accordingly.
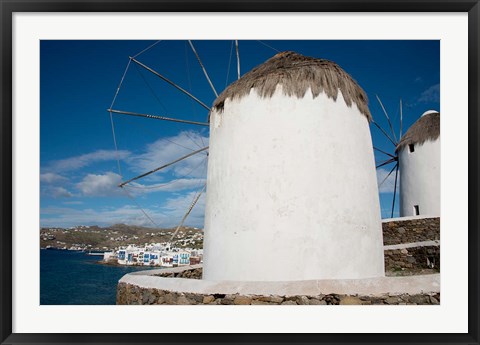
(78, 81)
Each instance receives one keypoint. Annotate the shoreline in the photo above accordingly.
(108, 263)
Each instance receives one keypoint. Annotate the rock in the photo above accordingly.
(208, 299)
(161, 300)
(393, 300)
(350, 300)
(377, 301)
(226, 301)
(144, 297)
(182, 300)
(170, 298)
(198, 298)
(289, 303)
(271, 299)
(433, 300)
(404, 251)
(276, 299)
(332, 299)
(411, 259)
(420, 299)
(401, 230)
(314, 301)
(257, 302)
(302, 300)
(242, 300)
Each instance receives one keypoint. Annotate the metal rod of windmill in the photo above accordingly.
(203, 68)
(163, 118)
(195, 200)
(388, 119)
(163, 166)
(157, 117)
(393, 157)
(171, 83)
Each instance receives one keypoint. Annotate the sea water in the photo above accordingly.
(71, 277)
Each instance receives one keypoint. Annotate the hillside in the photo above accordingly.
(112, 237)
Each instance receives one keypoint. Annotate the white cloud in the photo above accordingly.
(100, 185)
(389, 184)
(77, 162)
(63, 216)
(106, 185)
(176, 208)
(129, 214)
(432, 94)
(175, 185)
(167, 150)
(56, 192)
(52, 178)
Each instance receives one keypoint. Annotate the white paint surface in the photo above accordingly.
(420, 179)
(429, 283)
(292, 192)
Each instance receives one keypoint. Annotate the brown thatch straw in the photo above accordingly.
(426, 128)
(297, 73)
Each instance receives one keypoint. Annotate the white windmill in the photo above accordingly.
(282, 200)
(419, 158)
(416, 160)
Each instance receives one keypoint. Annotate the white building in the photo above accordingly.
(152, 255)
(419, 161)
(292, 190)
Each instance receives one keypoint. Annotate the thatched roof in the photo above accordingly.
(426, 128)
(297, 73)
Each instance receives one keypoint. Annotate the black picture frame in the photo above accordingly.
(8, 7)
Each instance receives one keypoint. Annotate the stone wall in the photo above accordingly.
(414, 229)
(134, 295)
(412, 259)
(189, 274)
(410, 249)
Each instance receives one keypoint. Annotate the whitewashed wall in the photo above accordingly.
(420, 179)
(292, 192)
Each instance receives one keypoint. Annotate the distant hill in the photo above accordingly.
(111, 237)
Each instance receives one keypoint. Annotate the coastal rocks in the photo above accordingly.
(134, 295)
